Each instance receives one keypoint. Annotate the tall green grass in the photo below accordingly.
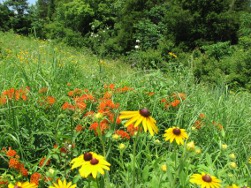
(32, 128)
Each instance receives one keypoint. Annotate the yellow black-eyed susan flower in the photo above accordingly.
(141, 116)
(90, 163)
(63, 184)
(176, 134)
(205, 180)
(23, 185)
(232, 186)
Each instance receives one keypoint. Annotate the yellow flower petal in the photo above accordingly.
(132, 120)
(129, 112)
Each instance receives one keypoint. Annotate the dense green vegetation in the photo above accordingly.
(215, 34)
(71, 68)
(57, 103)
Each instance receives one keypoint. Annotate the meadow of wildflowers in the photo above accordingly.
(69, 119)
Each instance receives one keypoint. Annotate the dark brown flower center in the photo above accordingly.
(87, 156)
(94, 161)
(176, 131)
(16, 186)
(145, 112)
(206, 178)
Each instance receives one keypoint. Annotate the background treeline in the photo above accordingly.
(213, 37)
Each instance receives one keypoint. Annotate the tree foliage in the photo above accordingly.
(15, 15)
(111, 27)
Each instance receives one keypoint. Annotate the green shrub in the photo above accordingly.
(103, 43)
(57, 31)
(147, 33)
(145, 59)
(218, 50)
(222, 63)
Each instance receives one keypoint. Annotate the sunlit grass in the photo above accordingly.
(58, 103)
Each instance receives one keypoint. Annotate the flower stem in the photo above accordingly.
(99, 131)
(175, 165)
(103, 145)
(134, 160)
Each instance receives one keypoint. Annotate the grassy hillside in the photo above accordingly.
(58, 103)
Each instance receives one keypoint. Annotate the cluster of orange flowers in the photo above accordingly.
(79, 128)
(200, 122)
(174, 100)
(111, 87)
(14, 94)
(123, 134)
(3, 182)
(43, 162)
(14, 162)
(99, 127)
(217, 125)
(79, 97)
(35, 178)
(47, 101)
(131, 129)
(105, 113)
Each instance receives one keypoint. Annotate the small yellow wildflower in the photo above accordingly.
(224, 146)
(233, 165)
(122, 146)
(115, 137)
(164, 167)
(198, 151)
(190, 146)
(157, 141)
(172, 54)
(98, 116)
(232, 156)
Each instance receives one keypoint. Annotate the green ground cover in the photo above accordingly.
(58, 103)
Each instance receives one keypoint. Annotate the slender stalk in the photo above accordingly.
(101, 140)
(97, 183)
(175, 157)
(134, 160)
(175, 165)
(89, 184)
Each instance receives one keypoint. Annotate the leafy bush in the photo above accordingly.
(57, 31)
(222, 63)
(103, 43)
(146, 59)
(218, 50)
(147, 33)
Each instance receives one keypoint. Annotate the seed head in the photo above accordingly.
(87, 156)
(144, 112)
(94, 161)
(176, 131)
(207, 178)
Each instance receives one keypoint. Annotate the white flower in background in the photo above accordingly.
(137, 41)
(136, 47)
